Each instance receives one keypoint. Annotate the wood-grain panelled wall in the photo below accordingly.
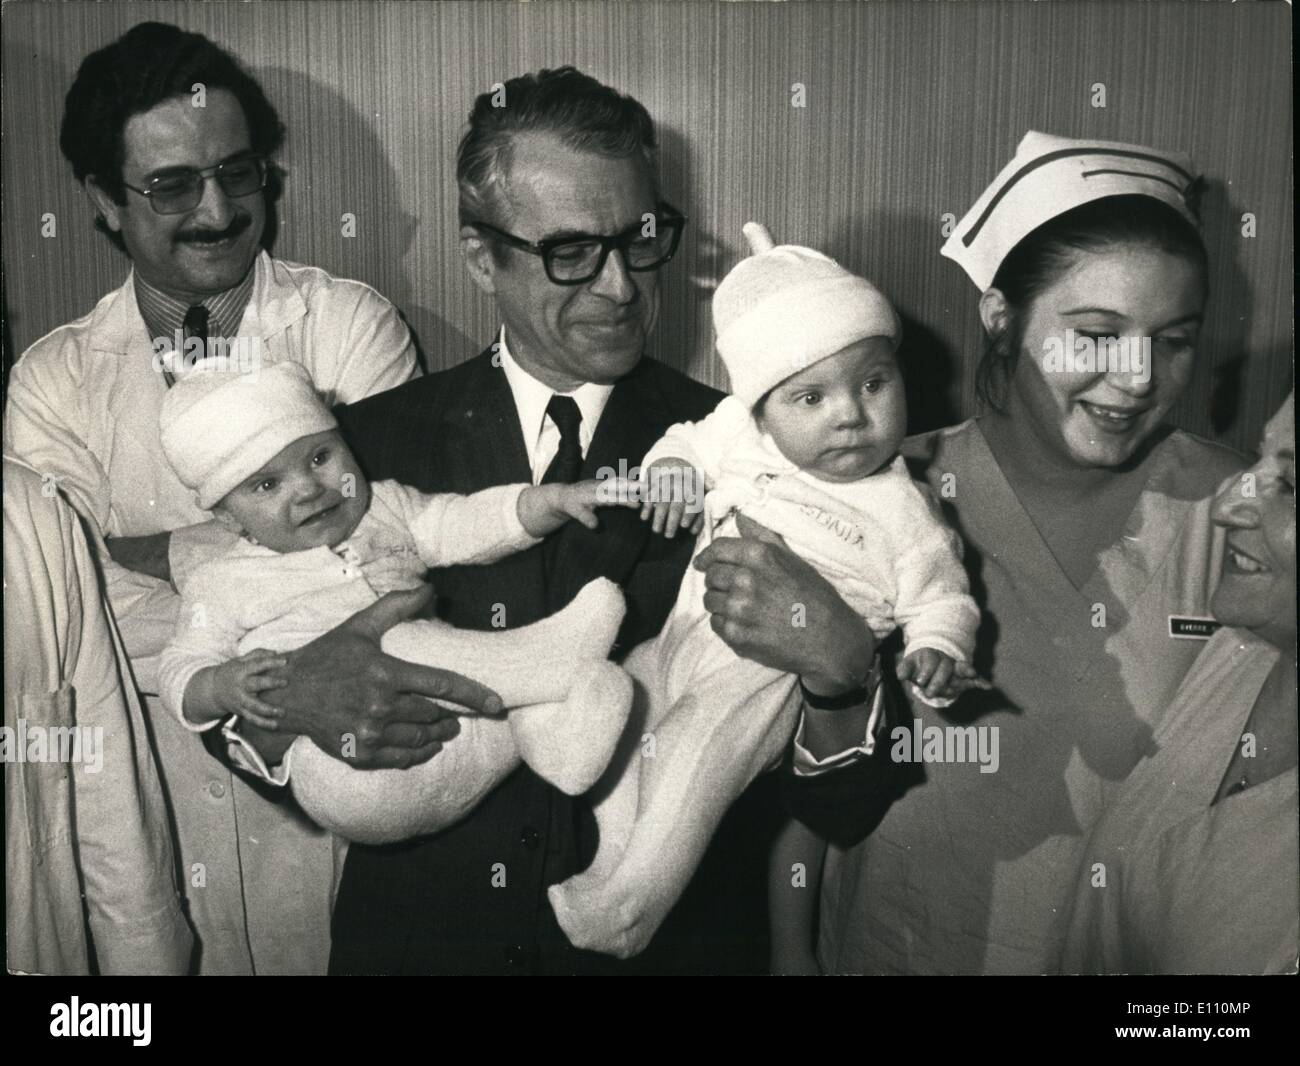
(911, 110)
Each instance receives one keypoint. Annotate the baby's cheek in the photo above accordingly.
(897, 432)
(800, 444)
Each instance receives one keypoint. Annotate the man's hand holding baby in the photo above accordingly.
(342, 685)
(773, 607)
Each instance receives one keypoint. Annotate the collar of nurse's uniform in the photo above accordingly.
(116, 325)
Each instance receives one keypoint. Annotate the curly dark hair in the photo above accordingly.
(150, 63)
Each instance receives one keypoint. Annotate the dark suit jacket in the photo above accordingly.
(430, 905)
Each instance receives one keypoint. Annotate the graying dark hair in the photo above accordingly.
(586, 115)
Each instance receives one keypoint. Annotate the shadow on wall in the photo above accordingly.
(930, 373)
(29, 67)
(324, 184)
(684, 336)
(1224, 354)
(931, 369)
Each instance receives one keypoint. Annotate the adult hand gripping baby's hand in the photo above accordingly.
(342, 686)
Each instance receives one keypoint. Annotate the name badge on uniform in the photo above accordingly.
(1186, 627)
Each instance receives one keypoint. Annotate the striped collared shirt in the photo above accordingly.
(164, 315)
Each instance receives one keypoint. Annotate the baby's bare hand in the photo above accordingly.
(928, 669)
(239, 682)
(668, 518)
(939, 676)
(545, 508)
(673, 497)
(580, 500)
(965, 679)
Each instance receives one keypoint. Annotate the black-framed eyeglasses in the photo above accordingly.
(575, 260)
(179, 191)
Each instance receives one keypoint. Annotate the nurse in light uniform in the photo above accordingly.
(1087, 533)
(1193, 866)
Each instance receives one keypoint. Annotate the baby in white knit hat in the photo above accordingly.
(318, 543)
(807, 445)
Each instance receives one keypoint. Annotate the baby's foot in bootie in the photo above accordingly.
(597, 916)
(570, 743)
(530, 665)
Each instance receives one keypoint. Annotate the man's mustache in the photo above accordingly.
(208, 236)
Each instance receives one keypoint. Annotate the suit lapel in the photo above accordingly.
(476, 444)
(481, 442)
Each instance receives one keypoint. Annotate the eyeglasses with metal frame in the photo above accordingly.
(181, 190)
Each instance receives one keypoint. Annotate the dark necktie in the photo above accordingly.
(564, 468)
(196, 325)
(567, 464)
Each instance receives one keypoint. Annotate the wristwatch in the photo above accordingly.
(854, 697)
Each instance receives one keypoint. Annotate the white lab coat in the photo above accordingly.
(96, 825)
(1191, 885)
(84, 402)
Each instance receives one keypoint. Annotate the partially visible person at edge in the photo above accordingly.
(182, 189)
(1087, 537)
(90, 880)
(555, 191)
(1192, 867)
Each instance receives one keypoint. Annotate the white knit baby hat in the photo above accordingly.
(218, 427)
(785, 308)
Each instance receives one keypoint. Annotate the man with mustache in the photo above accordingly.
(172, 141)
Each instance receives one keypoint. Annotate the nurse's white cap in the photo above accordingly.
(1051, 175)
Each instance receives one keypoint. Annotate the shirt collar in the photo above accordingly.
(164, 315)
(532, 396)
